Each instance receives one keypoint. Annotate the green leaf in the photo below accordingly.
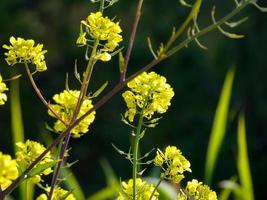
(243, 161)
(41, 167)
(112, 181)
(110, 176)
(18, 131)
(219, 126)
(72, 183)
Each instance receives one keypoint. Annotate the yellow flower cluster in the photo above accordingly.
(8, 170)
(24, 51)
(65, 107)
(150, 92)
(173, 163)
(143, 190)
(3, 88)
(197, 191)
(101, 29)
(58, 194)
(27, 153)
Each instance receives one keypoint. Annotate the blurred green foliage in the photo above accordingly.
(196, 76)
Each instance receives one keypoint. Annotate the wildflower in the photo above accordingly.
(143, 190)
(197, 191)
(28, 152)
(58, 194)
(150, 92)
(103, 56)
(81, 41)
(8, 170)
(65, 108)
(3, 96)
(24, 51)
(173, 163)
(103, 30)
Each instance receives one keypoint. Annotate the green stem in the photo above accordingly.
(207, 29)
(83, 91)
(102, 6)
(135, 151)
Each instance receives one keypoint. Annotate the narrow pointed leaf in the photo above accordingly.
(219, 126)
(18, 130)
(243, 161)
(41, 167)
(72, 183)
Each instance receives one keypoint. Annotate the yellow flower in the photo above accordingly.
(197, 191)
(3, 96)
(103, 30)
(58, 194)
(27, 153)
(103, 56)
(8, 170)
(65, 107)
(173, 163)
(81, 40)
(24, 51)
(143, 190)
(148, 91)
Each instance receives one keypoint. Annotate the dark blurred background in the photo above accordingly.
(195, 74)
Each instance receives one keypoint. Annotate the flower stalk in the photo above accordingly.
(135, 151)
(83, 91)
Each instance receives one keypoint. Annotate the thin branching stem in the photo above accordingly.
(131, 40)
(40, 96)
(83, 91)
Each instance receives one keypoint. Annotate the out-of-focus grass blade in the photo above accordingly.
(16, 115)
(18, 131)
(110, 176)
(113, 184)
(72, 183)
(219, 126)
(243, 161)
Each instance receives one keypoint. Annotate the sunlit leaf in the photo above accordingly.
(219, 126)
(41, 167)
(243, 161)
(18, 130)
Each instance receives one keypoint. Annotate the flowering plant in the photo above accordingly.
(147, 98)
